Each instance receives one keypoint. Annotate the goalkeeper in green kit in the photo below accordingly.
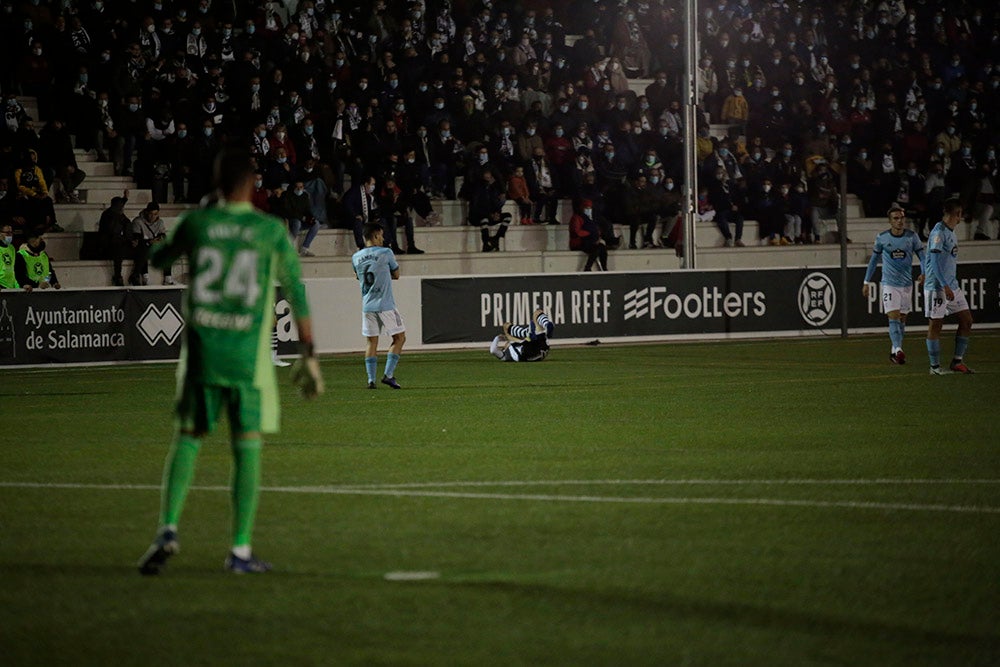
(235, 254)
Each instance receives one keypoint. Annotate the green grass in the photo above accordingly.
(538, 565)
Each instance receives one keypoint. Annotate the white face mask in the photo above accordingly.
(589, 212)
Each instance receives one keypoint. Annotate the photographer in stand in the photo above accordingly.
(147, 229)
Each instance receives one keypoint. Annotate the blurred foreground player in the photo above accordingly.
(524, 342)
(235, 254)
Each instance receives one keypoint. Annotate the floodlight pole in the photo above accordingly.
(690, 129)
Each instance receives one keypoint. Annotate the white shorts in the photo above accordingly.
(389, 321)
(897, 298)
(936, 306)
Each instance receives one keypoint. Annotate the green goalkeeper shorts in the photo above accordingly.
(248, 408)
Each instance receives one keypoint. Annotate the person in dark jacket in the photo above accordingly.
(298, 213)
(115, 232)
(585, 235)
(639, 207)
(362, 207)
(724, 201)
(486, 210)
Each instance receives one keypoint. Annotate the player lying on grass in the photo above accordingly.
(524, 342)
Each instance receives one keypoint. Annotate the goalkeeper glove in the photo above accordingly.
(305, 373)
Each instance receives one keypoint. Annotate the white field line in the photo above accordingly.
(675, 482)
(404, 493)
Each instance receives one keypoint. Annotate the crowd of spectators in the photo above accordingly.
(527, 100)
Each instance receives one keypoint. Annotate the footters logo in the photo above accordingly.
(817, 299)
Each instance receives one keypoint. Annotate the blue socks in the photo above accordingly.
(371, 366)
(390, 364)
(896, 334)
(961, 344)
(934, 351)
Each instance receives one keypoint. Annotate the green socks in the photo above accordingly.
(179, 473)
(177, 476)
(246, 488)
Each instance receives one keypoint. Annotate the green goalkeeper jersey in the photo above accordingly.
(235, 255)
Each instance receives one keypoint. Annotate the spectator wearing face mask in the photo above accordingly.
(478, 160)
(35, 76)
(445, 151)
(792, 205)
(542, 185)
(8, 257)
(279, 139)
(982, 198)
(824, 200)
(665, 204)
(962, 175)
(528, 141)
(629, 45)
(131, 126)
(913, 196)
(774, 123)
(585, 236)
(361, 207)
(766, 206)
(736, 110)
(724, 200)
(486, 210)
(32, 194)
(279, 171)
(207, 145)
(33, 267)
(297, 210)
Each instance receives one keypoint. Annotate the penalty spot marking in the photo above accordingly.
(638, 500)
(411, 576)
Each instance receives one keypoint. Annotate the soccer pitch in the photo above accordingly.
(742, 503)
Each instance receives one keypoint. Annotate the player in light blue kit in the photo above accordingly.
(896, 247)
(942, 295)
(376, 268)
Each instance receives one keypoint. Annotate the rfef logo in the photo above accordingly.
(158, 324)
(817, 299)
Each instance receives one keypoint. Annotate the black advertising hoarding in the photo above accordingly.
(94, 326)
(103, 326)
(682, 303)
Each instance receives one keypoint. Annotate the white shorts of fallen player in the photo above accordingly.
(386, 321)
(937, 306)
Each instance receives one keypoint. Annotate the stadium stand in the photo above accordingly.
(904, 94)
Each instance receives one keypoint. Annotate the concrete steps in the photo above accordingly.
(98, 273)
(339, 243)
(520, 262)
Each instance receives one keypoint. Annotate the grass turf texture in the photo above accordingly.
(699, 573)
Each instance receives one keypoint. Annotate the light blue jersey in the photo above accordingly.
(942, 259)
(374, 266)
(896, 254)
